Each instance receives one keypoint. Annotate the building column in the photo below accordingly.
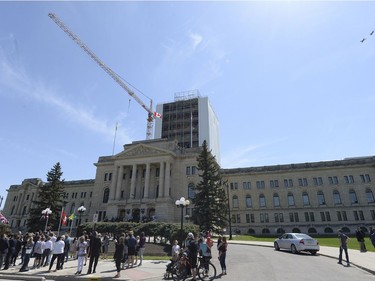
(119, 182)
(161, 180)
(147, 181)
(112, 189)
(132, 182)
(167, 183)
(20, 198)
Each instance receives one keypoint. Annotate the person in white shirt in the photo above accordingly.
(47, 248)
(57, 253)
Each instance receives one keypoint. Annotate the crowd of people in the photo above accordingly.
(52, 251)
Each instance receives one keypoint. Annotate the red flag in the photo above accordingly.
(157, 115)
(64, 219)
(3, 219)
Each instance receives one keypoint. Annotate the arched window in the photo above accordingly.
(305, 199)
(276, 200)
(345, 229)
(321, 199)
(72, 208)
(369, 196)
(191, 191)
(328, 230)
(235, 201)
(265, 231)
(312, 230)
(296, 230)
(262, 201)
(353, 197)
(290, 199)
(106, 195)
(336, 197)
(249, 202)
(251, 231)
(280, 231)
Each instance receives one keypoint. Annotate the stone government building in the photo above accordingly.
(144, 180)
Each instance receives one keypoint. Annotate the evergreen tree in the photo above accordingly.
(210, 201)
(50, 195)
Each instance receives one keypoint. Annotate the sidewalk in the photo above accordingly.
(155, 269)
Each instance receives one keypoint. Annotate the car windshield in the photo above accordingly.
(303, 236)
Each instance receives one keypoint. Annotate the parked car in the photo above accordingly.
(297, 242)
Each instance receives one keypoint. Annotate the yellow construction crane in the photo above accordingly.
(151, 115)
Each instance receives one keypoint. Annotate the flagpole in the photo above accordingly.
(62, 210)
(114, 141)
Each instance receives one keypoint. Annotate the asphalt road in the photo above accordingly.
(265, 264)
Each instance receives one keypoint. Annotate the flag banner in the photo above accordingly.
(157, 115)
(64, 220)
(72, 217)
(3, 219)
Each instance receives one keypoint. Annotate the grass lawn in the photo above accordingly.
(323, 241)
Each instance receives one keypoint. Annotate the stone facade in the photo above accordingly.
(147, 177)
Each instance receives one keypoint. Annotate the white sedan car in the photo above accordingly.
(297, 242)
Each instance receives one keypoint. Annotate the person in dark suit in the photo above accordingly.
(94, 252)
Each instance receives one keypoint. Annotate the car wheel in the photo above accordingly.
(313, 253)
(277, 248)
(293, 249)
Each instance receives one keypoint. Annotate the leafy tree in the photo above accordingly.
(210, 202)
(50, 195)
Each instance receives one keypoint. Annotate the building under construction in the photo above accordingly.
(190, 120)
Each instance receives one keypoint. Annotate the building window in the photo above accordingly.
(302, 182)
(321, 200)
(369, 196)
(288, 183)
(276, 217)
(276, 200)
(336, 197)
(235, 201)
(106, 195)
(322, 216)
(341, 216)
(305, 199)
(260, 184)
(238, 218)
(355, 214)
(191, 191)
(274, 183)
(281, 217)
(318, 181)
(246, 185)
(194, 170)
(353, 197)
(234, 185)
(290, 199)
(157, 172)
(349, 179)
(293, 217)
(247, 218)
(262, 201)
(249, 202)
(333, 180)
(264, 218)
(365, 178)
(361, 216)
(188, 171)
(328, 216)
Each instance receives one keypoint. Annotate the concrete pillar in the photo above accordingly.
(112, 190)
(147, 180)
(167, 183)
(119, 183)
(161, 179)
(132, 181)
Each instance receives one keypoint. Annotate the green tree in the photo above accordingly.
(50, 195)
(210, 201)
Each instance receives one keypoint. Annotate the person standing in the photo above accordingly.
(372, 236)
(343, 247)
(192, 248)
(222, 247)
(11, 251)
(119, 254)
(47, 248)
(361, 239)
(132, 243)
(81, 253)
(28, 250)
(57, 253)
(175, 250)
(141, 244)
(4, 248)
(94, 252)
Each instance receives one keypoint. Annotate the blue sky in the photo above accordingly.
(289, 81)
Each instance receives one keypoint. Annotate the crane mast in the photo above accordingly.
(110, 72)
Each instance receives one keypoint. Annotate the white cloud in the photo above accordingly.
(196, 38)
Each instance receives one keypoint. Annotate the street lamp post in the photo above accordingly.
(182, 203)
(81, 210)
(46, 213)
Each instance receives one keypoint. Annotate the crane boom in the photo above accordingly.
(109, 71)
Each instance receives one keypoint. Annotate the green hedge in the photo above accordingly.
(167, 232)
